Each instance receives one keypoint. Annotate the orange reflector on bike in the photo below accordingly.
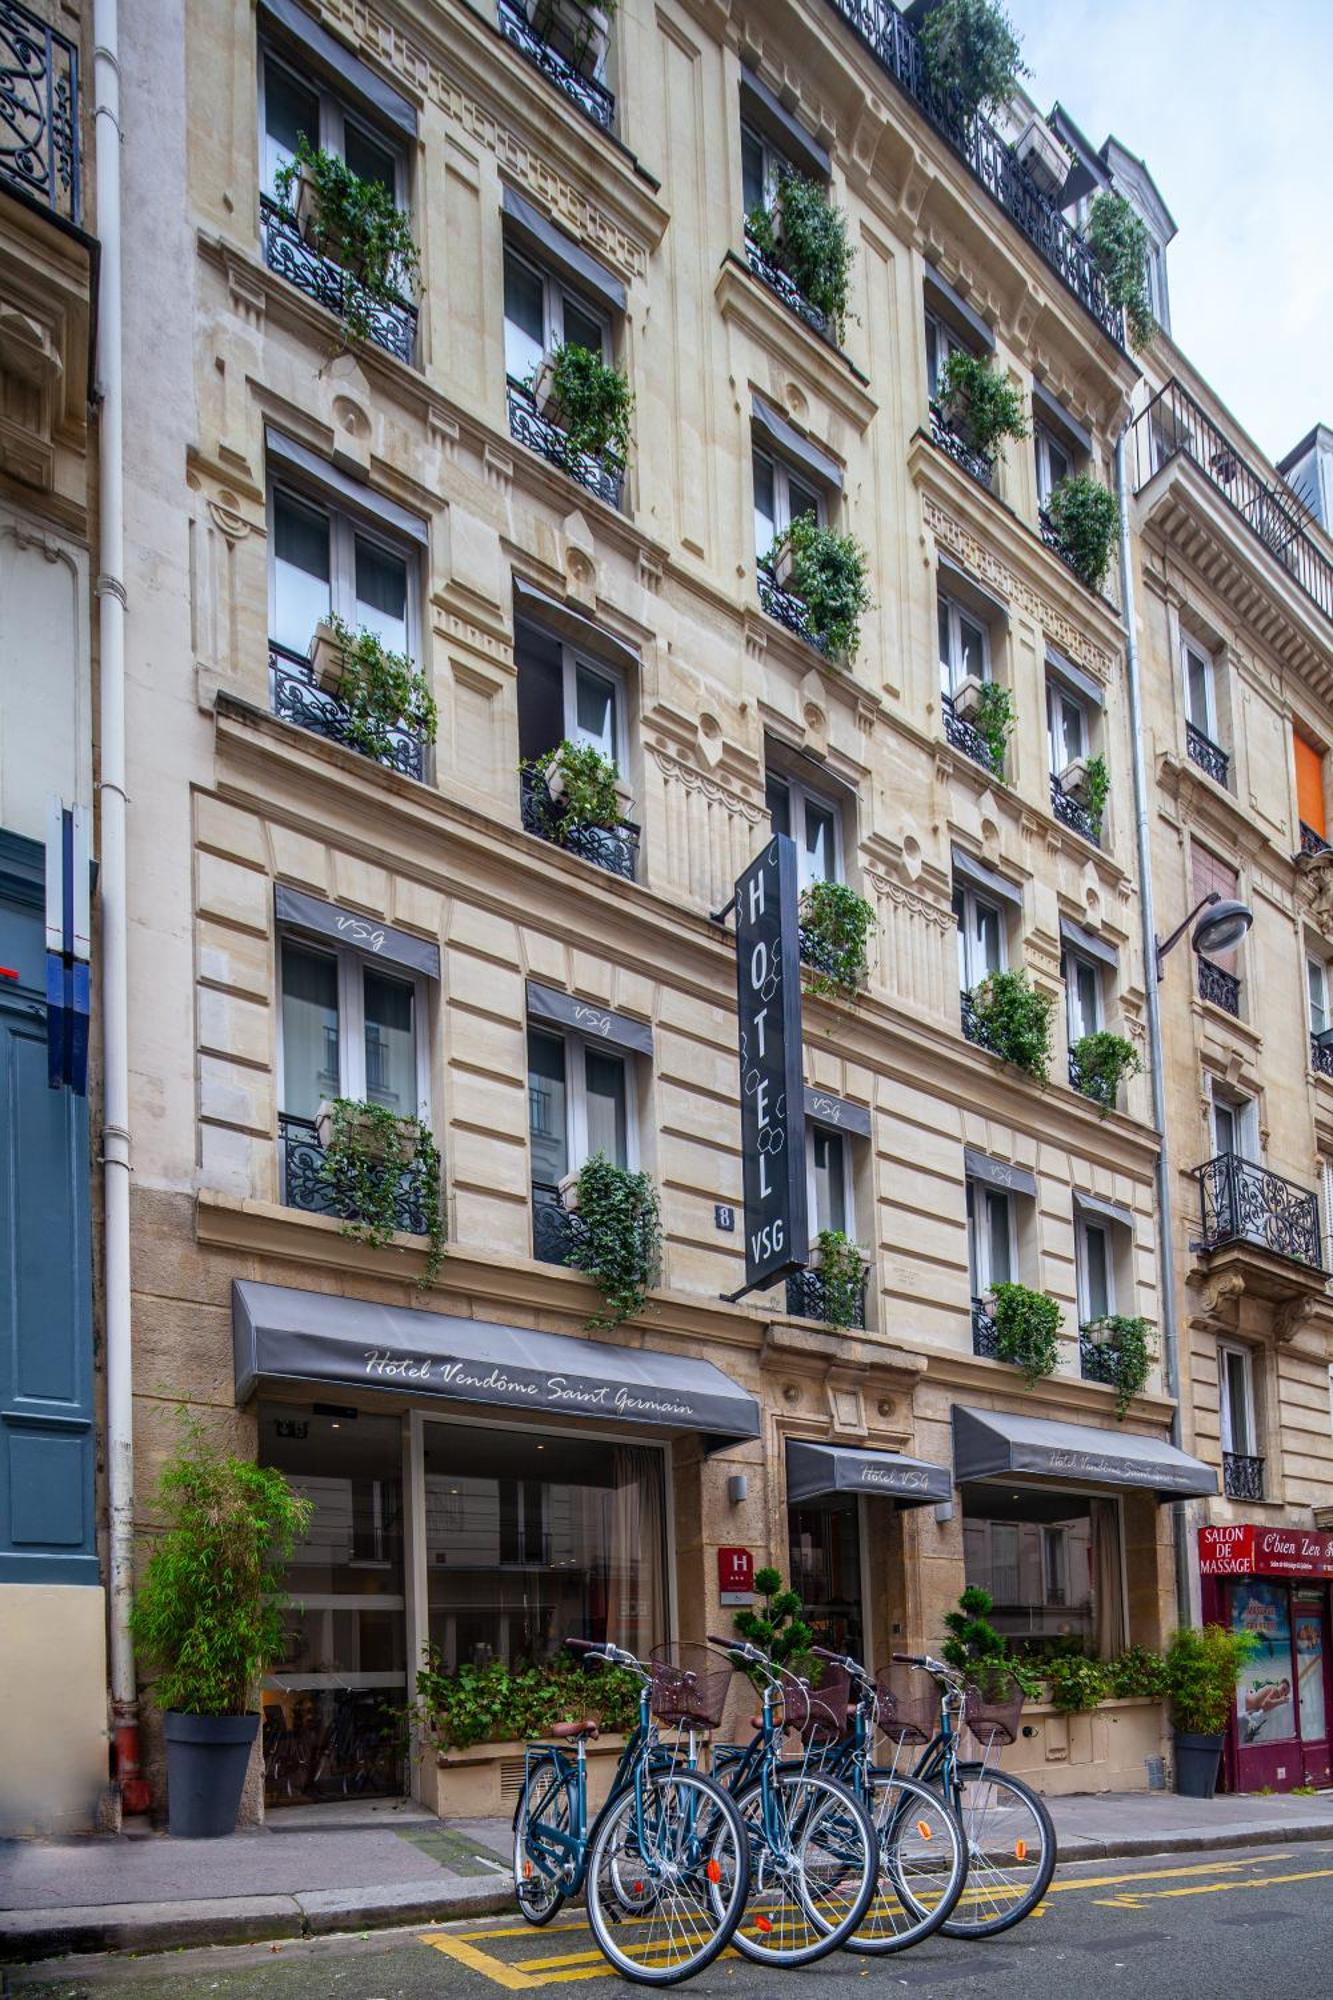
(527, 1869)
(714, 1871)
(637, 1890)
(1020, 1850)
(763, 1923)
(926, 1832)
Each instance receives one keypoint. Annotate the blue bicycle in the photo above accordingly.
(665, 1863)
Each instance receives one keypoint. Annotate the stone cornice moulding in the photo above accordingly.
(682, 772)
(825, 375)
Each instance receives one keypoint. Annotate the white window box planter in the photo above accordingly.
(327, 658)
(1075, 781)
(1041, 153)
(967, 698)
(567, 1187)
(557, 784)
(579, 32)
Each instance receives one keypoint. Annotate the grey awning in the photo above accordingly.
(994, 1444)
(1075, 677)
(998, 1173)
(1052, 412)
(554, 615)
(294, 909)
(288, 453)
(814, 1471)
(338, 60)
(955, 310)
(767, 109)
(1106, 1211)
(985, 878)
(548, 1003)
(793, 444)
(1084, 940)
(826, 1109)
(551, 242)
(284, 1335)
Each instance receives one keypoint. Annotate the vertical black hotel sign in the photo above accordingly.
(768, 1002)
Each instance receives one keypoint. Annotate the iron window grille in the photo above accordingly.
(1209, 756)
(770, 273)
(1242, 1476)
(1219, 986)
(1071, 814)
(393, 322)
(616, 849)
(964, 737)
(304, 1185)
(590, 96)
(1243, 1202)
(985, 1336)
(603, 476)
(979, 465)
(807, 1297)
(296, 696)
(39, 112)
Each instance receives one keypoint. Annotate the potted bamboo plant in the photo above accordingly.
(209, 1618)
(1203, 1665)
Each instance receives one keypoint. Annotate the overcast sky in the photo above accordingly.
(1228, 101)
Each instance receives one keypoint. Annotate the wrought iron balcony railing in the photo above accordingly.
(807, 1297)
(39, 112)
(304, 1184)
(770, 272)
(1070, 813)
(296, 696)
(1219, 986)
(784, 605)
(979, 464)
(897, 48)
(1173, 423)
(1242, 1476)
(1209, 756)
(985, 1339)
(593, 99)
(554, 1229)
(1055, 542)
(393, 324)
(614, 848)
(1243, 1202)
(604, 477)
(967, 739)
(974, 1027)
(1098, 1362)
(1321, 1056)
(1312, 842)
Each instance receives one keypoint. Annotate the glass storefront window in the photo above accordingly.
(333, 1705)
(532, 1540)
(824, 1549)
(1053, 1564)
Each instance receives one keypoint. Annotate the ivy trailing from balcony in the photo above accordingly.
(805, 234)
(380, 691)
(1084, 520)
(1027, 1331)
(1015, 1021)
(367, 1153)
(1102, 1061)
(1096, 791)
(995, 721)
(356, 224)
(592, 403)
(828, 574)
(1128, 1341)
(1118, 240)
(970, 48)
(842, 1276)
(582, 787)
(618, 1241)
(980, 403)
(835, 930)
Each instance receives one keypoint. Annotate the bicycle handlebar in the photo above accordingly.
(606, 1654)
(936, 1668)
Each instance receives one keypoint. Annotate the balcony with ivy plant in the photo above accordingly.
(606, 1221)
(1078, 797)
(832, 1287)
(1118, 239)
(376, 1172)
(1019, 1326)
(575, 797)
(345, 243)
(1008, 1016)
(566, 41)
(983, 732)
(835, 929)
(1080, 522)
(1117, 1350)
(801, 250)
(575, 411)
(1099, 1064)
(351, 689)
(976, 408)
(814, 581)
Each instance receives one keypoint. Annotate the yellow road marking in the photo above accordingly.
(1132, 1900)
(480, 1961)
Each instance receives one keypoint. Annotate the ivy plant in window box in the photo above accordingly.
(618, 1242)
(354, 223)
(971, 50)
(979, 403)
(1027, 1331)
(588, 399)
(1118, 240)
(835, 931)
(1084, 521)
(1129, 1341)
(1016, 1019)
(367, 1152)
(842, 1270)
(583, 788)
(994, 721)
(380, 691)
(1102, 1062)
(805, 234)
(827, 571)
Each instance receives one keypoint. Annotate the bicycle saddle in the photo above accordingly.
(566, 1730)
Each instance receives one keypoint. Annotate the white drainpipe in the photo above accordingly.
(112, 898)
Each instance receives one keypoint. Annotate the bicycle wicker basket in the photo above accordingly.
(826, 1716)
(904, 1718)
(993, 1714)
(689, 1685)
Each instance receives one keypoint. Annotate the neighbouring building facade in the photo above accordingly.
(408, 925)
(53, 1733)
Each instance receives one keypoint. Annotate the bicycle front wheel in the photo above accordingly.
(922, 1864)
(1010, 1852)
(812, 1867)
(668, 1874)
(541, 1819)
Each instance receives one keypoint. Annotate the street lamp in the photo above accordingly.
(1225, 924)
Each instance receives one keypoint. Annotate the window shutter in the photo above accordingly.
(1210, 872)
(1309, 785)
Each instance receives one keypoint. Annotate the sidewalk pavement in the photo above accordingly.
(358, 1866)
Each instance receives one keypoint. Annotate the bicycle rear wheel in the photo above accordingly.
(922, 1865)
(1011, 1852)
(543, 1806)
(668, 1874)
(812, 1871)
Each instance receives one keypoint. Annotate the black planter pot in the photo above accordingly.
(1197, 1759)
(207, 1757)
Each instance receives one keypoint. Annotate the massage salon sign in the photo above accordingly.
(1247, 1550)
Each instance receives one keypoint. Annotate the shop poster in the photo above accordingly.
(1310, 1671)
(1265, 1699)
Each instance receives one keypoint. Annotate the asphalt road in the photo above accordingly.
(1181, 1927)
